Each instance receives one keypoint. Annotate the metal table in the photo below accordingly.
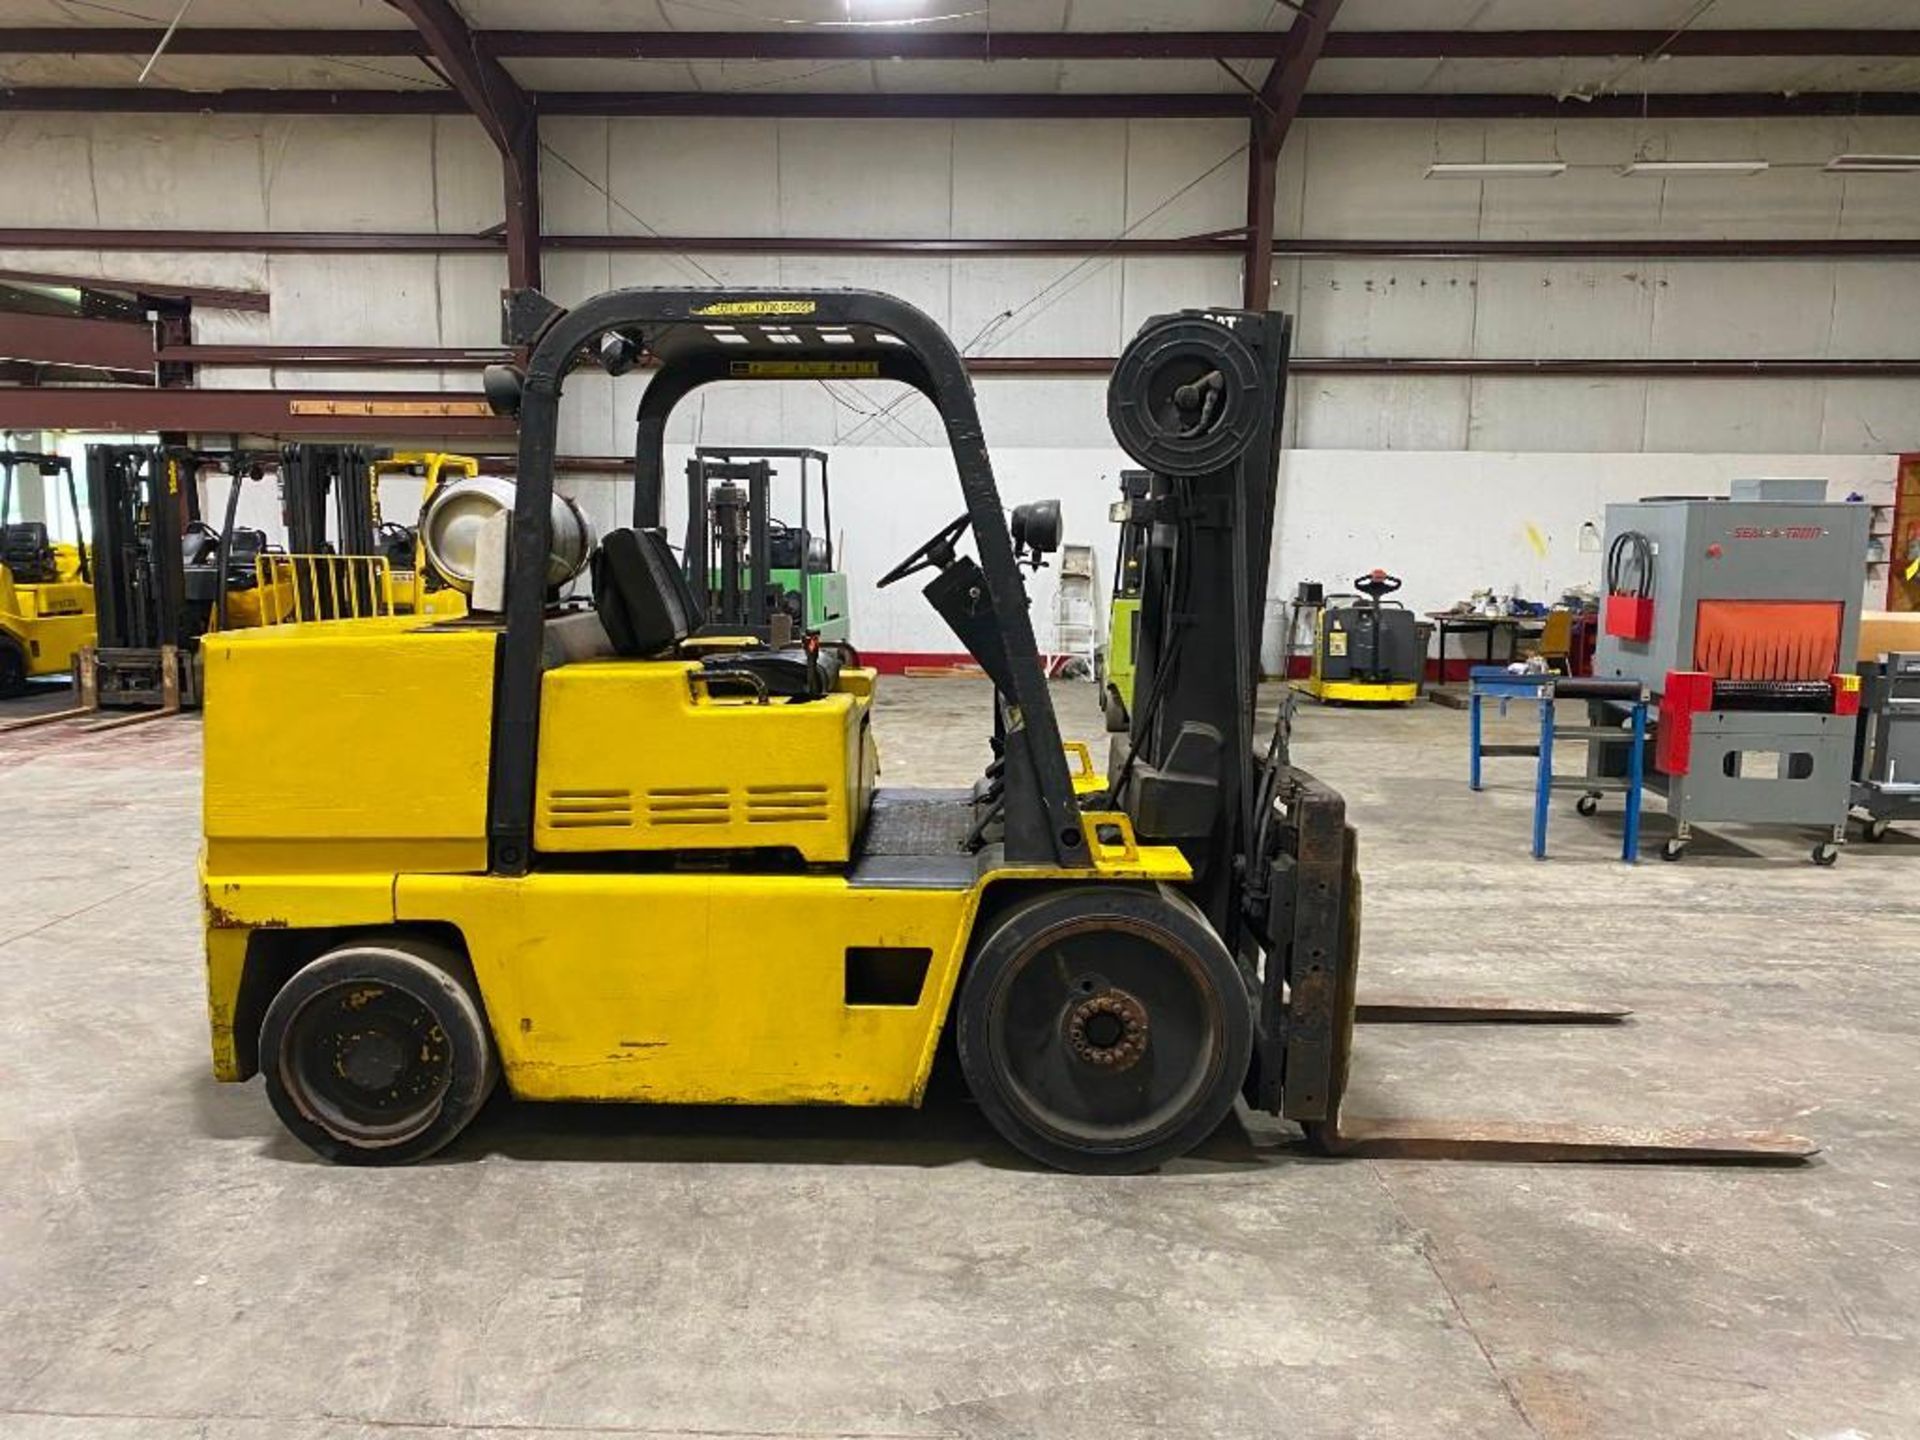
(1496, 682)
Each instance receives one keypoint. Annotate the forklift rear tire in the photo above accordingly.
(1104, 1029)
(13, 668)
(378, 1052)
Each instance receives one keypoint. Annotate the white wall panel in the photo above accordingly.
(349, 173)
(46, 169)
(468, 194)
(1071, 179)
(1361, 178)
(1870, 417)
(1380, 412)
(1752, 310)
(1524, 413)
(189, 171)
(1734, 415)
(695, 177)
(1059, 304)
(1876, 311)
(1156, 284)
(469, 298)
(1566, 309)
(573, 176)
(355, 299)
(847, 177)
(1386, 307)
(1165, 159)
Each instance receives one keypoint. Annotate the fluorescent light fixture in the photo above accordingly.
(1865, 164)
(1496, 169)
(1695, 167)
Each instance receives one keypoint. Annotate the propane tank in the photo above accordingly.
(451, 526)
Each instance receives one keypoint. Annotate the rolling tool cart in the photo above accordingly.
(1886, 744)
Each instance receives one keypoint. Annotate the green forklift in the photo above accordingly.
(1129, 513)
(759, 575)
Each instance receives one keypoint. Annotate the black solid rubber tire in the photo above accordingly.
(438, 979)
(1587, 804)
(13, 667)
(1673, 850)
(1172, 923)
(1826, 853)
(1876, 831)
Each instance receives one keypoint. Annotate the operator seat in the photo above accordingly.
(26, 550)
(647, 607)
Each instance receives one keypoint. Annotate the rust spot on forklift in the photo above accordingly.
(642, 1044)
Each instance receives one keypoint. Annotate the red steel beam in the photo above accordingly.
(1278, 102)
(115, 345)
(302, 242)
(214, 297)
(374, 357)
(797, 43)
(247, 412)
(507, 114)
(1319, 105)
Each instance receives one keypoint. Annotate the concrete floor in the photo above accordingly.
(172, 1265)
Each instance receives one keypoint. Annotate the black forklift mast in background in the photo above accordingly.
(319, 482)
(731, 536)
(729, 553)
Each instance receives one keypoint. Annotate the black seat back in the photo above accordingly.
(27, 551)
(641, 594)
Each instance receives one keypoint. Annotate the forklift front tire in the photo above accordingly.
(378, 1052)
(1104, 1029)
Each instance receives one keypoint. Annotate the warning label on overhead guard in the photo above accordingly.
(803, 369)
(758, 307)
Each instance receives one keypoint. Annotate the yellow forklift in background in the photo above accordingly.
(641, 864)
(46, 585)
(417, 589)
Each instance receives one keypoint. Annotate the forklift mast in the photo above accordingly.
(317, 481)
(1197, 399)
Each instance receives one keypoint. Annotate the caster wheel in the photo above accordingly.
(1825, 853)
(1587, 805)
(378, 1053)
(1876, 830)
(1673, 850)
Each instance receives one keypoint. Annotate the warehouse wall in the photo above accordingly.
(1474, 462)
(1093, 179)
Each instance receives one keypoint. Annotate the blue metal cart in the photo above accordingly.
(1497, 683)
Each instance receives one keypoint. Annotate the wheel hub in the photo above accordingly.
(1108, 1030)
(372, 1060)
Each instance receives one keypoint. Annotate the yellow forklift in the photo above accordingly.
(417, 588)
(164, 578)
(640, 864)
(46, 585)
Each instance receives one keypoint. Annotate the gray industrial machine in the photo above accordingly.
(1741, 617)
(1886, 748)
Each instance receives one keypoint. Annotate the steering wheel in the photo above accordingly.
(937, 551)
(1376, 583)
